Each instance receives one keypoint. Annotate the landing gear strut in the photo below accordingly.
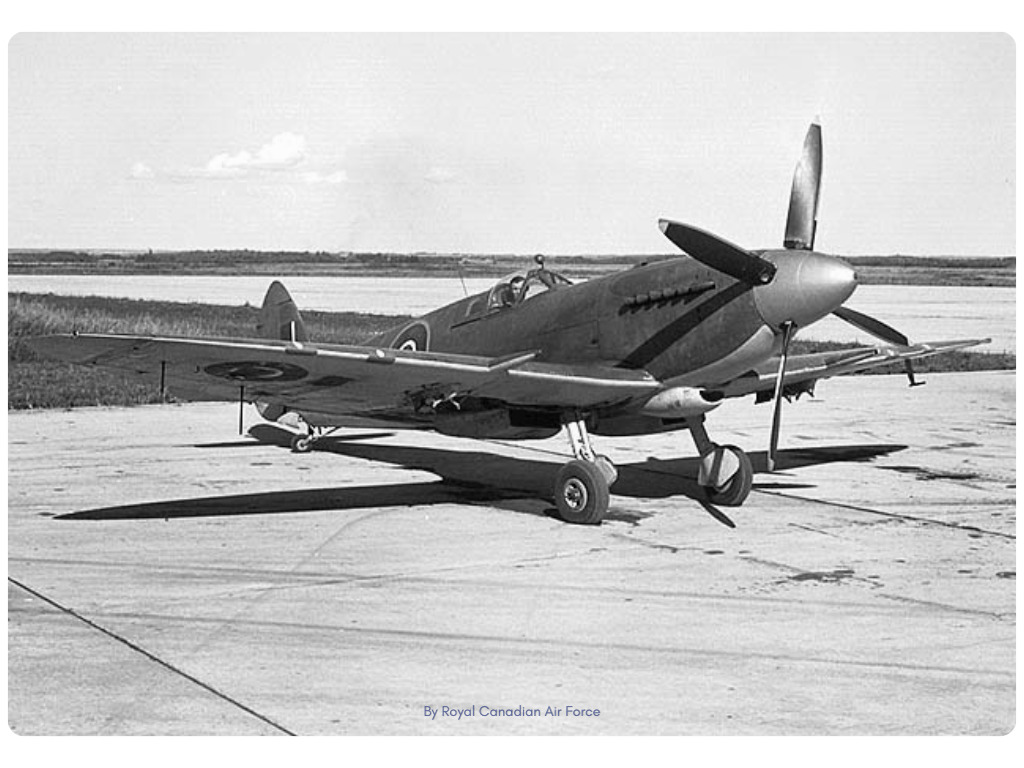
(725, 470)
(581, 488)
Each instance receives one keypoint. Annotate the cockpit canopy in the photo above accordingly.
(518, 287)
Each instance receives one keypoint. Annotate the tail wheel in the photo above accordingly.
(581, 493)
(737, 487)
(302, 443)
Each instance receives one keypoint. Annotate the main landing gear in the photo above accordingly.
(581, 488)
(725, 470)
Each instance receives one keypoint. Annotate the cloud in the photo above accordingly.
(283, 152)
(440, 175)
(283, 159)
(141, 171)
(317, 177)
(224, 165)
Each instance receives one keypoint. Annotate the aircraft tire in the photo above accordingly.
(302, 444)
(581, 493)
(611, 474)
(737, 487)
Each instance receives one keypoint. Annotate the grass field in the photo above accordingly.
(36, 383)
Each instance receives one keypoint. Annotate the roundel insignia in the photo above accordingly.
(414, 337)
(249, 370)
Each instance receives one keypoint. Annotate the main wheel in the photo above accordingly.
(581, 493)
(737, 487)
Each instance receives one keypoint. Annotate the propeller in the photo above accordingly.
(802, 222)
(719, 254)
(810, 285)
(872, 326)
(801, 227)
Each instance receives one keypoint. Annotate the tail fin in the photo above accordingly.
(279, 317)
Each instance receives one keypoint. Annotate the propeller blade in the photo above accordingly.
(870, 325)
(773, 446)
(719, 254)
(802, 221)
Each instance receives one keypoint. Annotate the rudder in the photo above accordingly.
(279, 317)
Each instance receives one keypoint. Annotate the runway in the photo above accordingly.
(168, 576)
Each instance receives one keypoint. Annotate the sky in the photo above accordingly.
(564, 143)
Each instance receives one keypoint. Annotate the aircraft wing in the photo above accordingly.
(803, 370)
(345, 379)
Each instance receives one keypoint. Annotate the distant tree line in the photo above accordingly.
(934, 262)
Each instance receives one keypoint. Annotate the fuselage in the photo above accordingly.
(675, 318)
(689, 326)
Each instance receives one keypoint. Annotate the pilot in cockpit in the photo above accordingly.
(509, 294)
(512, 291)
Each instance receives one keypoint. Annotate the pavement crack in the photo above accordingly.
(151, 656)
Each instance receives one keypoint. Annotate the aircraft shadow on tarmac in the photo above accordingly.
(473, 477)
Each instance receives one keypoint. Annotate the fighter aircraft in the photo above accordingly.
(650, 349)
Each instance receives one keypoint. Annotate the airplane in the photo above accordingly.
(650, 349)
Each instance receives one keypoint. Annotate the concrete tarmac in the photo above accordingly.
(167, 576)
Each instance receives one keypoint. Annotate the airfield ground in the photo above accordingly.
(168, 576)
